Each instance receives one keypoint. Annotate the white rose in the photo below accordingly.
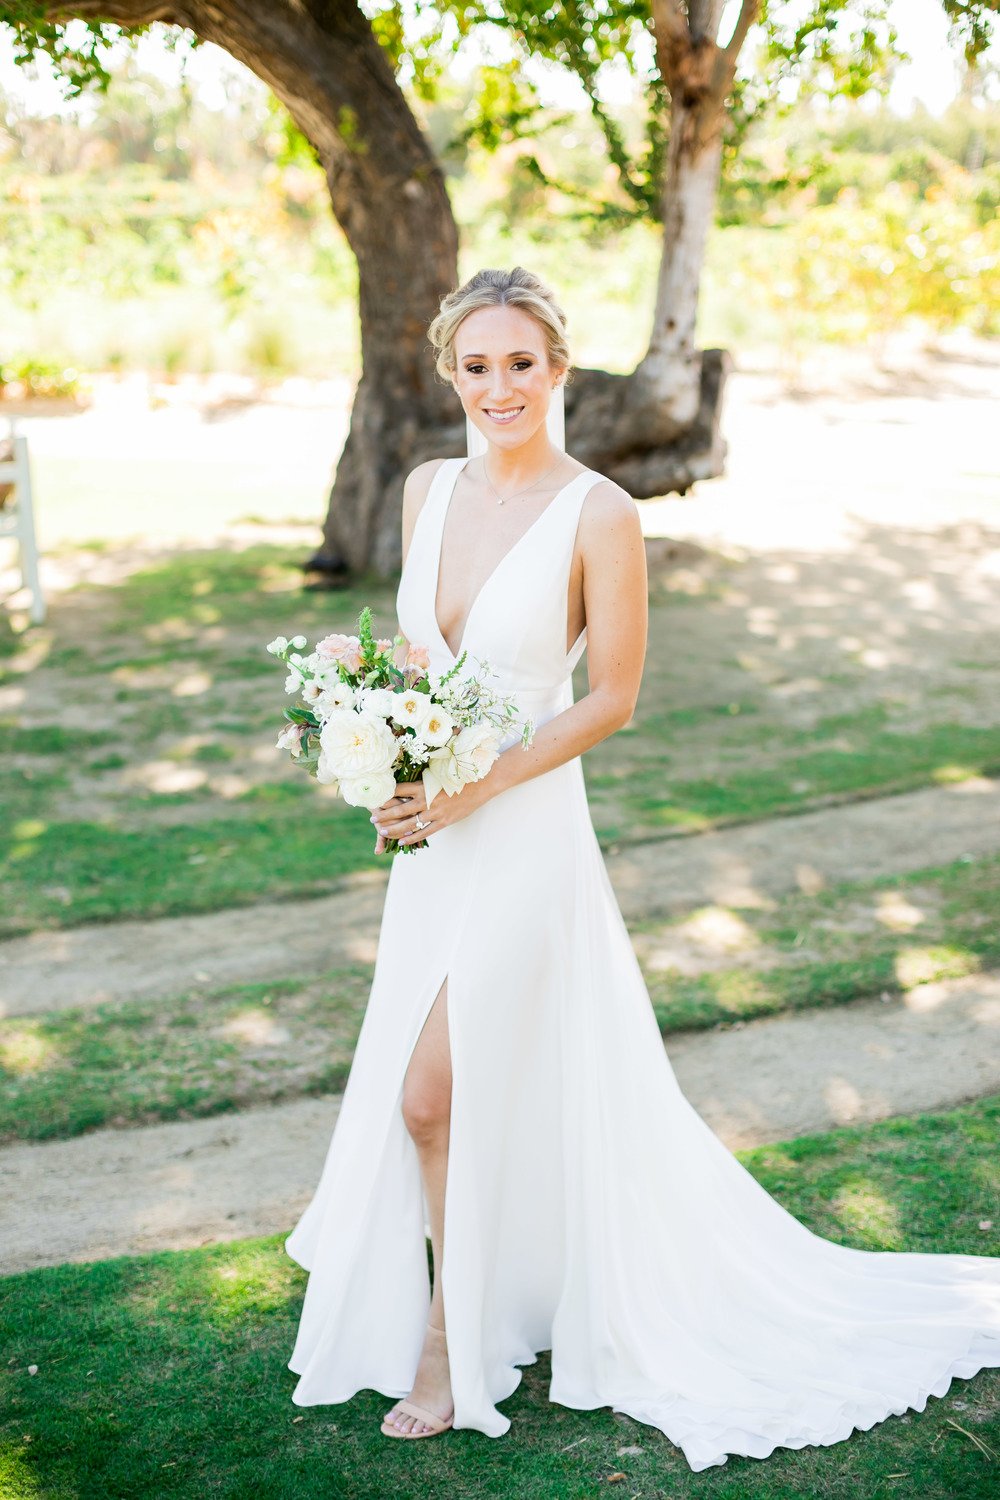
(356, 744)
(475, 749)
(370, 790)
(410, 708)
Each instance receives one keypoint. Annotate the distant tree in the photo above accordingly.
(334, 67)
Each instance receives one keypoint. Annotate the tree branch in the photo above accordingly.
(749, 11)
(120, 13)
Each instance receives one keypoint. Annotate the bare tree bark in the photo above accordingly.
(699, 75)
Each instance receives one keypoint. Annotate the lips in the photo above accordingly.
(503, 415)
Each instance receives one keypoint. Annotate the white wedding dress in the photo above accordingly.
(589, 1209)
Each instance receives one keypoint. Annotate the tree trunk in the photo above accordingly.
(668, 376)
(670, 380)
(321, 58)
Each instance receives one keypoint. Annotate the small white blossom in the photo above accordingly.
(278, 645)
(338, 694)
(298, 641)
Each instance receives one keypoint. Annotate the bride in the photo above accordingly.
(510, 1095)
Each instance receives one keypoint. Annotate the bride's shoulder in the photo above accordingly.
(607, 506)
(416, 487)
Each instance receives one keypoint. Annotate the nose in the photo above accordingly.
(500, 387)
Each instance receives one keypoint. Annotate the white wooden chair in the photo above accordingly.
(17, 516)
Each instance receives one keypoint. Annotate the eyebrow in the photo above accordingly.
(509, 356)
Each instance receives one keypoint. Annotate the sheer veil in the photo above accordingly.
(475, 443)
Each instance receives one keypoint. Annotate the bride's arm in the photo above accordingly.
(615, 593)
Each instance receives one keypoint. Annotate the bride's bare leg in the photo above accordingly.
(427, 1114)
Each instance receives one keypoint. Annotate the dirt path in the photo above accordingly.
(747, 865)
(196, 1182)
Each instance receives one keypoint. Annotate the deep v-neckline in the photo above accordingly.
(455, 656)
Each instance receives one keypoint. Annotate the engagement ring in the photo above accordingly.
(416, 819)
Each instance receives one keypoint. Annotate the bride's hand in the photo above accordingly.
(396, 818)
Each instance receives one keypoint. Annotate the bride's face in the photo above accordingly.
(503, 374)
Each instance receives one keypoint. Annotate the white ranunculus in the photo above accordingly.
(325, 775)
(357, 744)
(410, 708)
(369, 790)
(475, 749)
(438, 727)
(381, 701)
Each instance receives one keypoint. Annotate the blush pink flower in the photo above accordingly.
(342, 648)
(384, 646)
(418, 656)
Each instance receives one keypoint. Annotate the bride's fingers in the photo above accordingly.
(391, 820)
(417, 834)
(400, 807)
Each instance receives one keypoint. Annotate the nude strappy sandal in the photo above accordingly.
(437, 1424)
(434, 1422)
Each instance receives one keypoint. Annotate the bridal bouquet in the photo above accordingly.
(364, 722)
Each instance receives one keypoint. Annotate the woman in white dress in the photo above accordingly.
(510, 1094)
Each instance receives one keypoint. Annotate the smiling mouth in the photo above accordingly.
(502, 415)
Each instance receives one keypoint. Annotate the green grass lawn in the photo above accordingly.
(139, 774)
(202, 1051)
(165, 1375)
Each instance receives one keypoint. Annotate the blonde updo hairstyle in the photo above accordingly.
(490, 288)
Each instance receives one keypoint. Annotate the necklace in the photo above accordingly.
(502, 499)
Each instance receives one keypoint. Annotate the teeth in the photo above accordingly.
(503, 416)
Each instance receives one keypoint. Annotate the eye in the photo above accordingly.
(474, 369)
(522, 364)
